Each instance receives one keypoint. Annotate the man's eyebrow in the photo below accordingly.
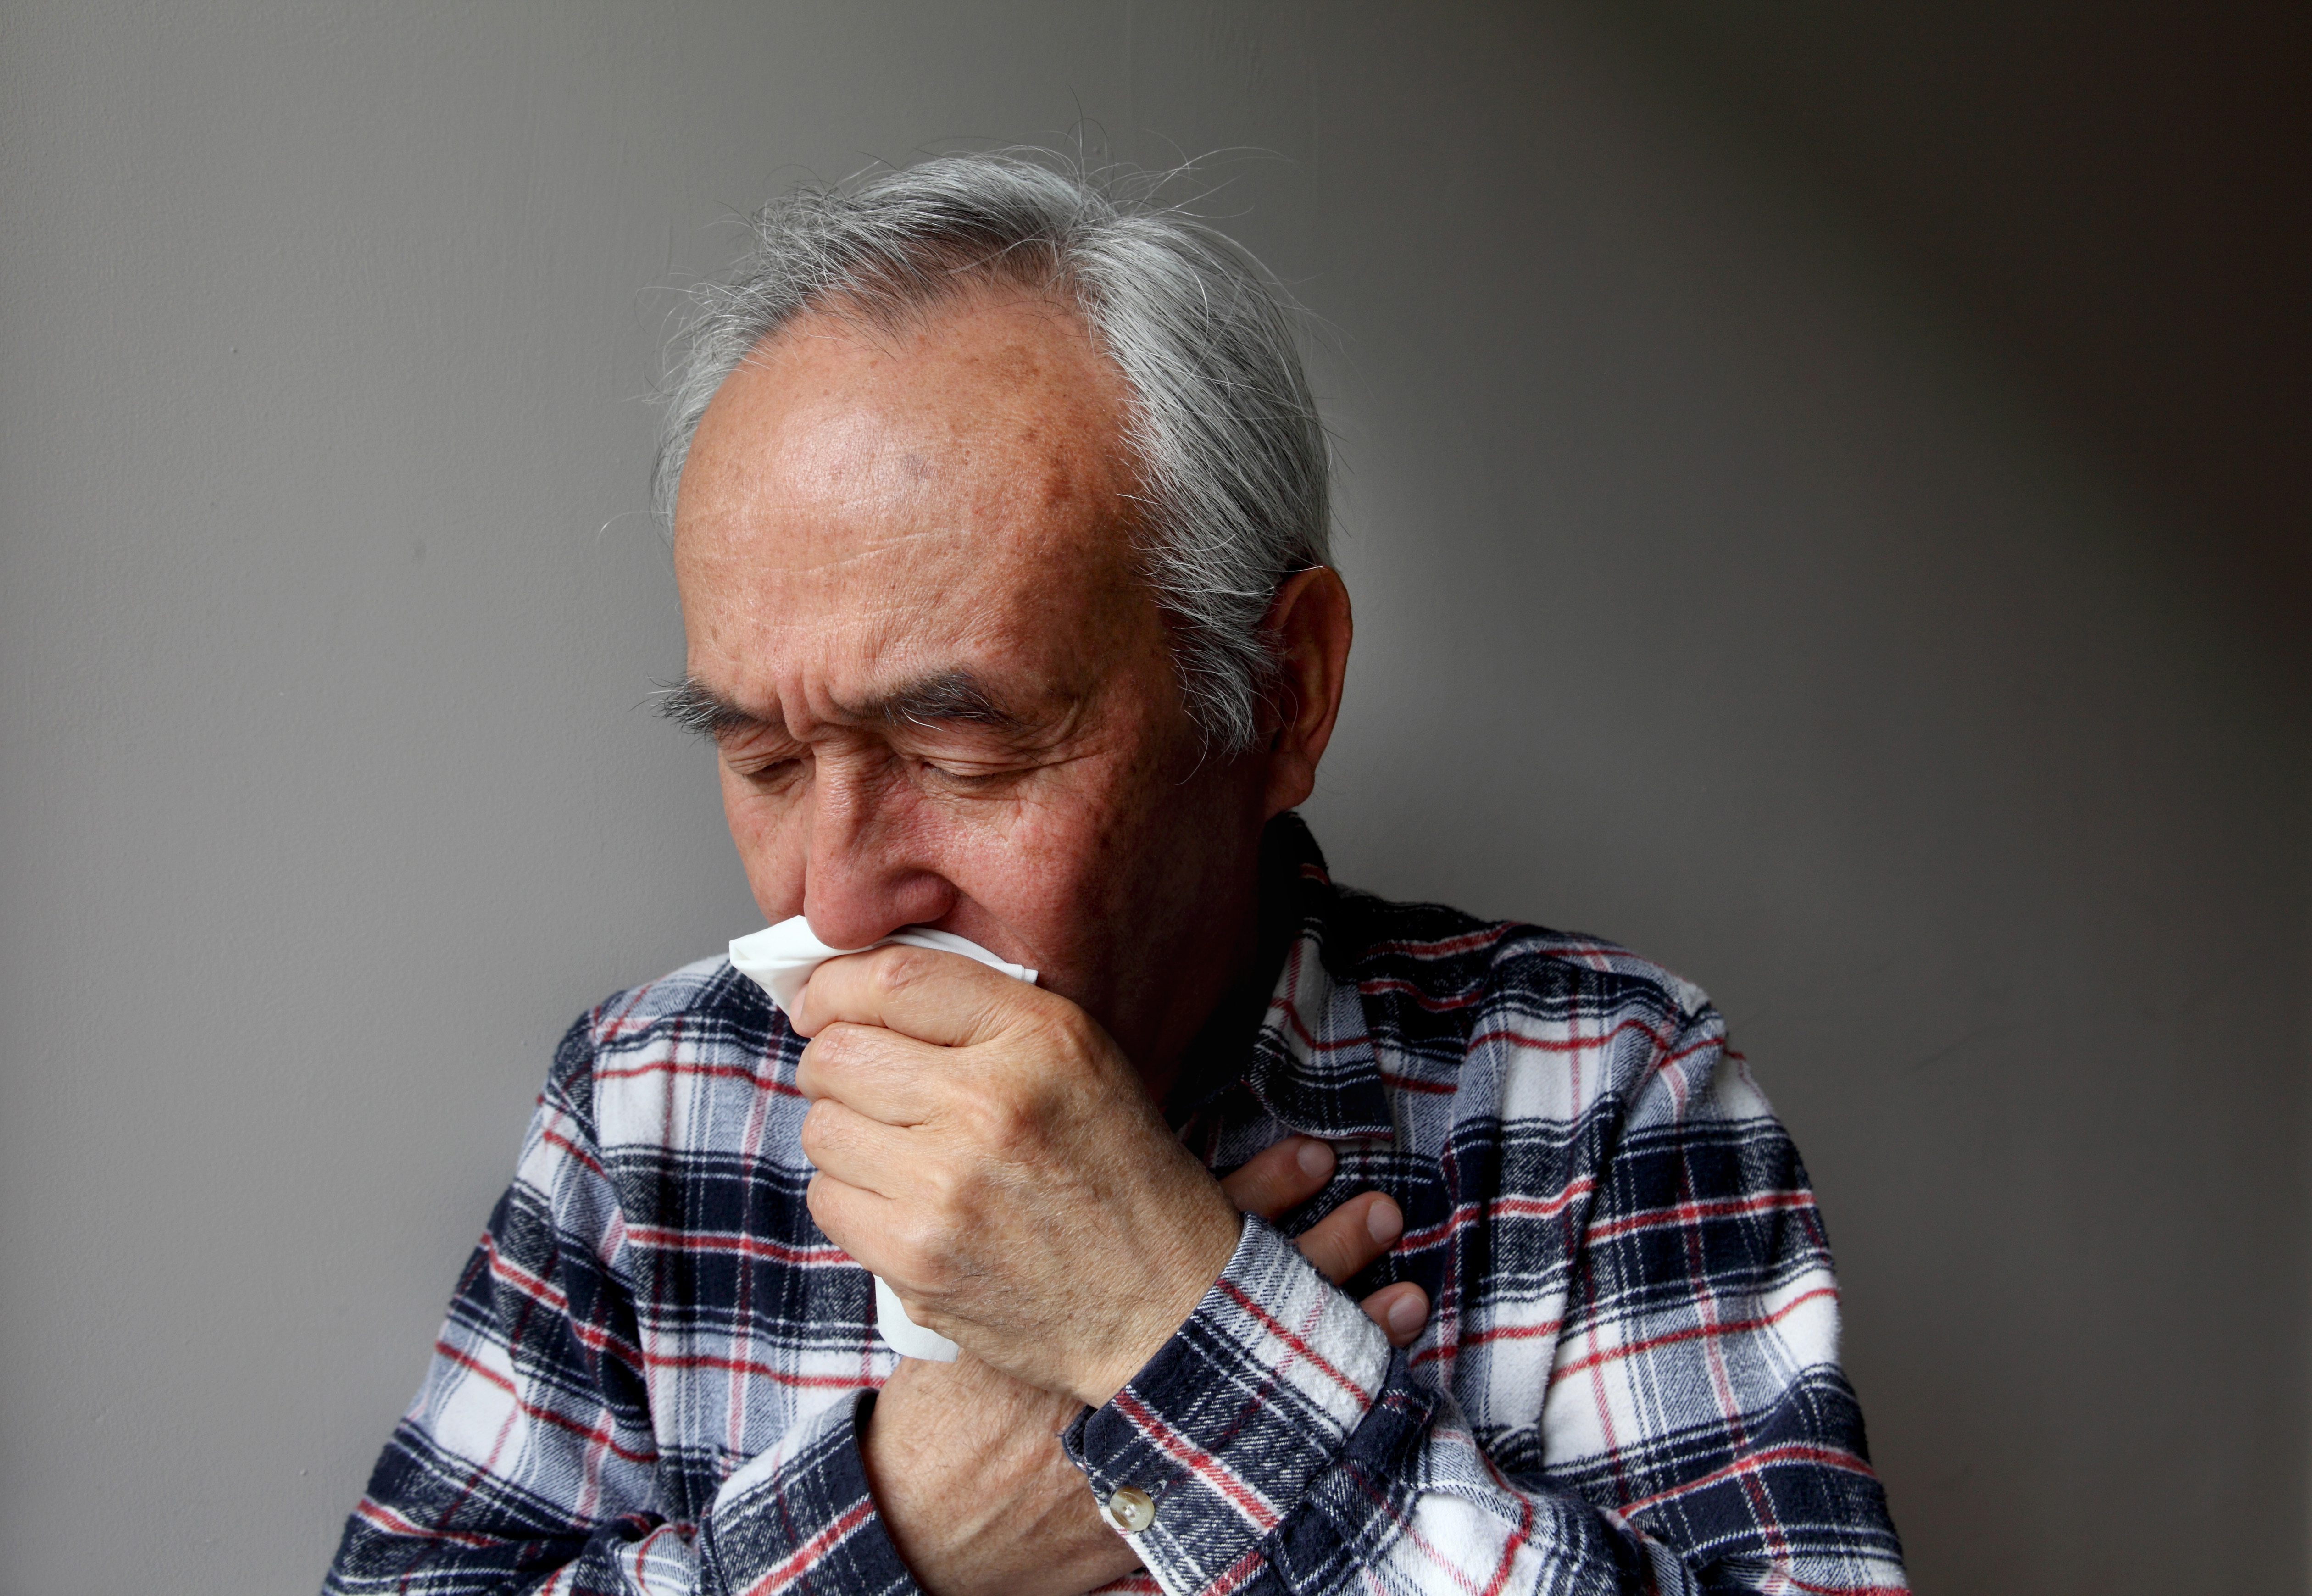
(951, 698)
(698, 708)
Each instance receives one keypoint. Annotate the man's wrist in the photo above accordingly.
(1194, 1258)
(1213, 1474)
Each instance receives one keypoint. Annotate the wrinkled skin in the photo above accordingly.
(944, 697)
(1021, 1522)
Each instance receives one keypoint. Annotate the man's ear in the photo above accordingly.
(1310, 626)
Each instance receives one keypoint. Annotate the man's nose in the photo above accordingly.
(867, 872)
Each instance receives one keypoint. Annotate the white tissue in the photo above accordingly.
(780, 959)
(781, 956)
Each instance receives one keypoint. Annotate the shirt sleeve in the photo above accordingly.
(1697, 1433)
(529, 1463)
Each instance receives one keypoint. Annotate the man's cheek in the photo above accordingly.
(1056, 843)
(1011, 858)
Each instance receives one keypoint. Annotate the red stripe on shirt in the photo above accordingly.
(674, 1241)
(1198, 1461)
(393, 1523)
(800, 1560)
(599, 1433)
(1723, 1327)
(724, 1072)
(1275, 1328)
(1764, 1202)
(1795, 1451)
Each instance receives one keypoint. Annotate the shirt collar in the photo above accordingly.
(1310, 1061)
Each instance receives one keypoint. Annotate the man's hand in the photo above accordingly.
(1280, 1179)
(987, 1149)
(974, 1489)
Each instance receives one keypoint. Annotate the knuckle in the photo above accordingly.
(917, 1254)
(836, 1044)
(896, 967)
(810, 1068)
(938, 1184)
(814, 1200)
(920, 1239)
(999, 1125)
(818, 1131)
(1337, 1244)
(954, 1190)
(822, 1057)
(1010, 1129)
(1331, 1260)
(1056, 1032)
(1074, 1032)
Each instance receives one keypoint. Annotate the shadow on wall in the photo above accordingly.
(1719, 594)
(2115, 201)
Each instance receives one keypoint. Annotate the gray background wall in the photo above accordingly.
(1725, 586)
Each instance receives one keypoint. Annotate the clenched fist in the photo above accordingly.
(987, 1149)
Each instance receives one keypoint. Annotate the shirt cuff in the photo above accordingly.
(1230, 1424)
(800, 1518)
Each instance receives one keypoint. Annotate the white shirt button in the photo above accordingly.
(1130, 1510)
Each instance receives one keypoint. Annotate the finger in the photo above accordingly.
(1353, 1235)
(941, 998)
(1401, 1310)
(856, 1149)
(853, 1218)
(878, 1072)
(1277, 1180)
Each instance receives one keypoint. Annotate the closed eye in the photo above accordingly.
(962, 776)
(766, 766)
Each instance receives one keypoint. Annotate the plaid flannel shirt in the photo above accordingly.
(656, 1366)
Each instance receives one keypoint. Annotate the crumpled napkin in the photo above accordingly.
(780, 959)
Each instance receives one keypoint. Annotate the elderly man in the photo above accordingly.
(999, 513)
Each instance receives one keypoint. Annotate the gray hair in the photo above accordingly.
(1225, 435)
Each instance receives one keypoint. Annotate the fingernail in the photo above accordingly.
(1316, 1158)
(1406, 1314)
(1385, 1222)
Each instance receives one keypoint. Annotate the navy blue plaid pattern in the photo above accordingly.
(654, 1368)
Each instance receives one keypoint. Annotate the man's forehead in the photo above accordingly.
(1000, 423)
(900, 597)
(892, 508)
(829, 407)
